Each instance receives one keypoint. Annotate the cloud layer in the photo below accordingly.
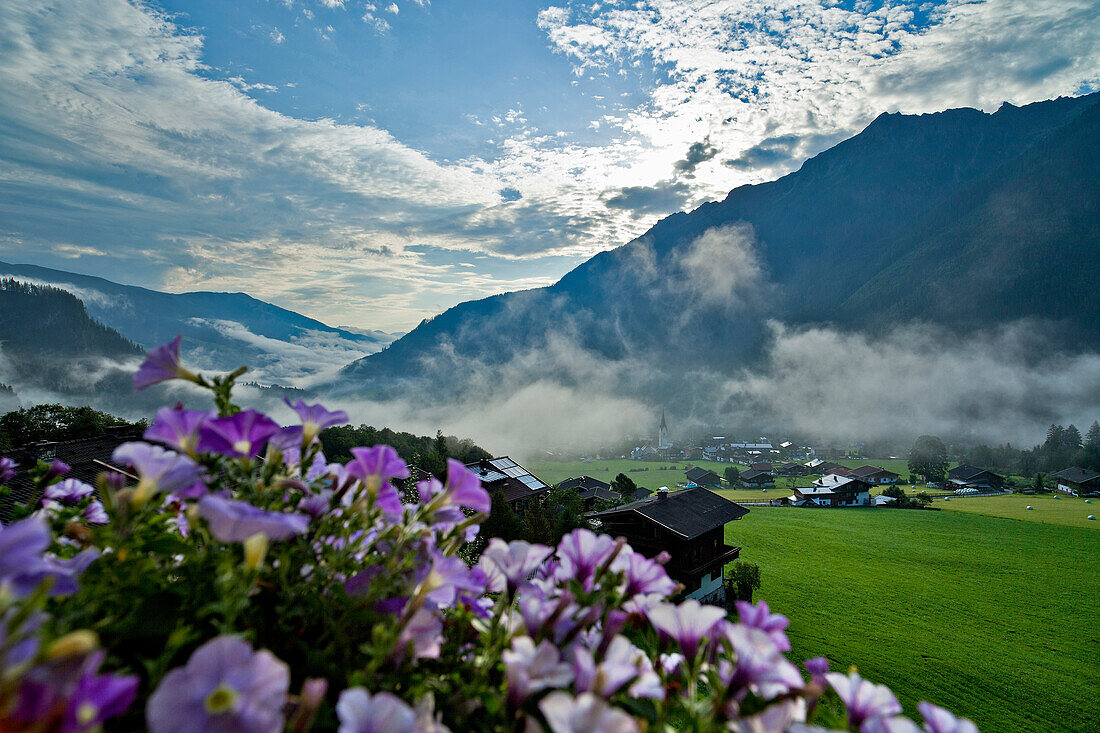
(118, 155)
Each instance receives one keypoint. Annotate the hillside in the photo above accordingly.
(960, 218)
(221, 330)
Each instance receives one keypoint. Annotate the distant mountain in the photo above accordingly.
(962, 219)
(221, 330)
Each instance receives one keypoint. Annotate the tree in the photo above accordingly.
(503, 521)
(1072, 438)
(1038, 483)
(742, 579)
(732, 476)
(536, 524)
(928, 458)
(624, 485)
(55, 422)
(1092, 437)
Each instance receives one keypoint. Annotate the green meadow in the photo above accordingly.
(1047, 508)
(994, 618)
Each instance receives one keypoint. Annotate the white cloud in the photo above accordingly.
(392, 8)
(277, 36)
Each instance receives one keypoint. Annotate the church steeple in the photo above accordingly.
(662, 433)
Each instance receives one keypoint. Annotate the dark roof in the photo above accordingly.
(584, 482)
(86, 458)
(512, 479)
(760, 466)
(688, 513)
(966, 472)
(829, 467)
(753, 475)
(698, 475)
(865, 471)
(1076, 475)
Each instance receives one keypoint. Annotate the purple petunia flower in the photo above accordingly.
(67, 491)
(643, 576)
(421, 637)
(863, 699)
(896, 724)
(161, 364)
(56, 468)
(315, 418)
(938, 720)
(239, 436)
(761, 617)
(7, 469)
(161, 470)
(97, 698)
(623, 663)
(529, 668)
(94, 513)
(236, 521)
(21, 546)
(580, 553)
(758, 664)
(463, 488)
(178, 429)
(687, 624)
(316, 504)
(225, 688)
(374, 467)
(508, 565)
(63, 573)
(361, 712)
(817, 666)
(445, 577)
(583, 714)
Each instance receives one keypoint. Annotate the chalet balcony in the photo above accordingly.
(726, 553)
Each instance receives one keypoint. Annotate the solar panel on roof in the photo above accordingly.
(531, 482)
(515, 472)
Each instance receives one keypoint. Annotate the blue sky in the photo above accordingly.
(373, 163)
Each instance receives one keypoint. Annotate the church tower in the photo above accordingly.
(662, 434)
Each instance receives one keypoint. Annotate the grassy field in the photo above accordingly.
(650, 474)
(1048, 509)
(994, 618)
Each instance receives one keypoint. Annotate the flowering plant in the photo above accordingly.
(231, 579)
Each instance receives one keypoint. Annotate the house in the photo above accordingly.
(754, 479)
(1077, 481)
(703, 477)
(690, 526)
(970, 477)
(834, 490)
(516, 483)
(590, 489)
(875, 474)
(761, 466)
(829, 467)
(791, 469)
(86, 458)
(881, 500)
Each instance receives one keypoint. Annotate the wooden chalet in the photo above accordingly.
(690, 526)
(792, 469)
(761, 466)
(590, 489)
(971, 477)
(1077, 481)
(86, 458)
(516, 483)
(829, 467)
(875, 474)
(703, 477)
(834, 490)
(754, 478)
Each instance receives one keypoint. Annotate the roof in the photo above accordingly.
(865, 471)
(1076, 475)
(512, 479)
(584, 482)
(761, 466)
(838, 482)
(688, 513)
(698, 474)
(86, 458)
(753, 475)
(966, 472)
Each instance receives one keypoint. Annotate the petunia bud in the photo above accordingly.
(73, 644)
(255, 549)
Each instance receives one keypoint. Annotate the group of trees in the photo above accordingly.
(1062, 448)
(53, 422)
(424, 452)
(928, 458)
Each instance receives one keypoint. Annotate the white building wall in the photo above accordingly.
(708, 585)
